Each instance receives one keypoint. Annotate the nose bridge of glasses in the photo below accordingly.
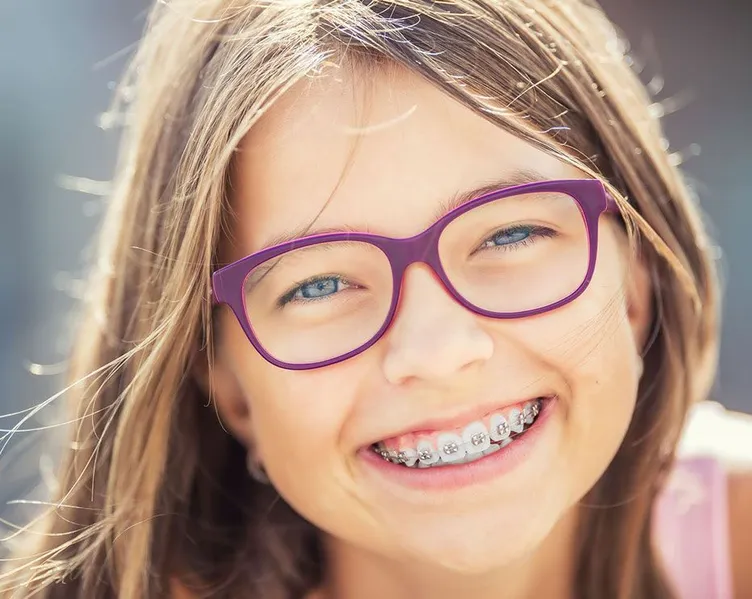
(422, 248)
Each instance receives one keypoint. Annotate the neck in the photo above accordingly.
(547, 571)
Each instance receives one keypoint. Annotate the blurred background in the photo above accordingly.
(58, 63)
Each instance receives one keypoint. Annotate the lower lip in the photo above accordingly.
(450, 477)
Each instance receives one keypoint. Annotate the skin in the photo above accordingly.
(740, 500)
(376, 145)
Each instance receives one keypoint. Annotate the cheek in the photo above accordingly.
(587, 349)
(591, 346)
(592, 337)
(296, 424)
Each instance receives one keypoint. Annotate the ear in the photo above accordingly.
(218, 382)
(639, 296)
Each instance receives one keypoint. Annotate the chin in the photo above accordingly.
(475, 548)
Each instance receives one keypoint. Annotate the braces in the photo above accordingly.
(526, 417)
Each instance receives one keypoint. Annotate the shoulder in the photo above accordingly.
(726, 436)
(712, 430)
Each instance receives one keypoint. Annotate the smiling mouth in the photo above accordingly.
(477, 440)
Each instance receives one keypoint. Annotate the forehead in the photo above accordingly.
(376, 153)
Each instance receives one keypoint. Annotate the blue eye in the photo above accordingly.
(517, 237)
(510, 236)
(314, 289)
(320, 288)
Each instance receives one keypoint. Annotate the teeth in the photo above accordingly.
(474, 442)
(475, 437)
(499, 427)
(426, 454)
(407, 456)
(471, 457)
(451, 447)
(528, 412)
(516, 420)
(493, 449)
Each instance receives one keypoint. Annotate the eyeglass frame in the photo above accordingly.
(591, 196)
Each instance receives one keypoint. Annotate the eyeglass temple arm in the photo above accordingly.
(611, 205)
(214, 299)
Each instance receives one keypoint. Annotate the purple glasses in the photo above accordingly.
(516, 252)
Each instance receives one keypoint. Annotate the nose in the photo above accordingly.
(432, 338)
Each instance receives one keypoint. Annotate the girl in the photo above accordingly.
(394, 299)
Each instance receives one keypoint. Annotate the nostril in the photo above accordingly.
(446, 351)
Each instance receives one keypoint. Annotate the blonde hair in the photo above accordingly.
(153, 487)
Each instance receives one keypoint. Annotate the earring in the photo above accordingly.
(256, 470)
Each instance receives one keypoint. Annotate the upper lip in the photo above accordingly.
(458, 419)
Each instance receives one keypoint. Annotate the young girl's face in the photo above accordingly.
(383, 154)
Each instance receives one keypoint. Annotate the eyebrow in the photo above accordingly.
(513, 178)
